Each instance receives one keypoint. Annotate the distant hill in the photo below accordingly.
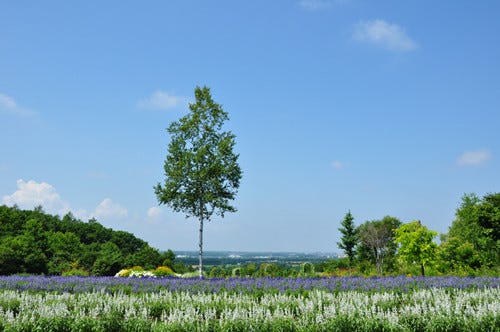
(34, 242)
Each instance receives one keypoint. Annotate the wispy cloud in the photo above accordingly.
(154, 212)
(383, 34)
(337, 164)
(474, 158)
(318, 5)
(315, 5)
(9, 105)
(108, 209)
(98, 175)
(162, 100)
(153, 215)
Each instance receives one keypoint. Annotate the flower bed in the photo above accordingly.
(279, 285)
(267, 304)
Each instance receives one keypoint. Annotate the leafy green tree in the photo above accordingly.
(249, 270)
(376, 242)
(458, 255)
(202, 174)
(34, 229)
(217, 272)
(20, 254)
(10, 258)
(64, 251)
(109, 261)
(127, 242)
(416, 244)
(349, 238)
(168, 258)
(10, 220)
(147, 257)
(182, 267)
(478, 223)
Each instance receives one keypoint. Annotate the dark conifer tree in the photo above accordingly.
(349, 238)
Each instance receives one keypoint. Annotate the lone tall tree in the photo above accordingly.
(349, 238)
(202, 173)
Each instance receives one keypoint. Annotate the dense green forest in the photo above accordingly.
(38, 243)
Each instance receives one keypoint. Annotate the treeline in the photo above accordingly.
(387, 246)
(38, 243)
(35, 242)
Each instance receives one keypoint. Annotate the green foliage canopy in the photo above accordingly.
(202, 174)
(38, 243)
(473, 239)
(376, 241)
(416, 244)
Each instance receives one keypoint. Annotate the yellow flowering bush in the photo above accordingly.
(163, 271)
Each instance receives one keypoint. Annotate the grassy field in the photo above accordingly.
(260, 304)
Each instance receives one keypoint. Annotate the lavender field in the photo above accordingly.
(259, 304)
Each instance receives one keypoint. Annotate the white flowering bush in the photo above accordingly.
(142, 274)
(317, 310)
(139, 272)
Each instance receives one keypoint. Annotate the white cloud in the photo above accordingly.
(109, 209)
(381, 33)
(474, 158)
(154, 212)
(7, 102)
(162, 100)
(337, 164)
(9, 105)
(30, 194)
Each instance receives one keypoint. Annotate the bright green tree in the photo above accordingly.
(202, 174)
(416, 244)
(349, 238)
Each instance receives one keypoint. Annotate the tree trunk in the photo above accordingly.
(422, 270)
(200, 266)
(378, 261)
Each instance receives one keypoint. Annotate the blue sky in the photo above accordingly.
(377, 107)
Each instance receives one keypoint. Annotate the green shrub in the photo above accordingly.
(76, 273)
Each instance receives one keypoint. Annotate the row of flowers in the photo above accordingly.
(431, 309)
(76, 284)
